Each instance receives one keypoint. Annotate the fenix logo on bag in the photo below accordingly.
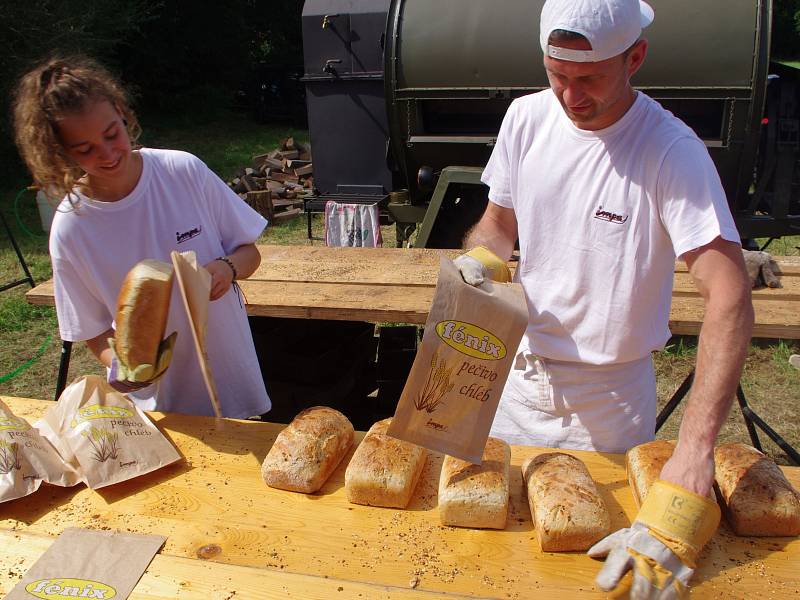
(471, 340)
(70, 588)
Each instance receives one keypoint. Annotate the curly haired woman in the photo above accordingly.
(76, 131)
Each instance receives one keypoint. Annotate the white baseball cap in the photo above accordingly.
(611, 26)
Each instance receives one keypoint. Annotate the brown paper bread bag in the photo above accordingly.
(103, 434)
(27, 459)
(471, 337)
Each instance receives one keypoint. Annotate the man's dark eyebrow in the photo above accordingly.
(110, 125)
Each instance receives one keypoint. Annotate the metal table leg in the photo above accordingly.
(751, 419)
(63, 367)
(670, 407)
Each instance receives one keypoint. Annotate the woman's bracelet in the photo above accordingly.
(228, 262)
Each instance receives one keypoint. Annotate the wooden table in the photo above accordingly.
(396, 285)
(277, 544)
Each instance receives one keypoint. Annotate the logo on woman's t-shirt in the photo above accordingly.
(187, 235)
(611, 217)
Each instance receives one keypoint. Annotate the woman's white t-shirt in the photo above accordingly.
(178, 204)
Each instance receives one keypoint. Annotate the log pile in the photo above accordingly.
(276, 182)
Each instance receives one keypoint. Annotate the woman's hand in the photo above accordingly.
(239, 264)
(221, 278)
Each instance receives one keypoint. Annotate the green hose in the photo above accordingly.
(16, 213)
(27, 363)
(30, 361)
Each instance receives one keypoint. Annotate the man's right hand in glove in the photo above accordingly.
(662, 545)
(125, 379)
(480, 264)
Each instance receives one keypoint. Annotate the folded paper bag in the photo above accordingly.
(27, 459)
(103, 435)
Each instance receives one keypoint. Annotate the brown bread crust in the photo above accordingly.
(568, 512)
(308, 450)
(643, 464)
(384, 470)
(142, 311)
(476, 495)
(756, 497)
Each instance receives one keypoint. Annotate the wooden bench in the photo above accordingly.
(382, 285)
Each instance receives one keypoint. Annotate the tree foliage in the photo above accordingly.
(170, 54)
(180, 54)
(786, 29)
(34, 29)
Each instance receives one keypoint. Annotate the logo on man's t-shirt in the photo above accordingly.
(611, 217)
(187, 235)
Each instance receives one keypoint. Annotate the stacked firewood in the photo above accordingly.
(276, 182)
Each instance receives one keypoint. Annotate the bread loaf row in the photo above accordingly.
(568, 512)
(754, 494)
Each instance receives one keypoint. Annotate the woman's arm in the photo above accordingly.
(99, 347)
(245, 260)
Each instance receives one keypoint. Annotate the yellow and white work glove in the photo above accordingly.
(480, 264)
(662, 545)
(761, 268)
(125, 379)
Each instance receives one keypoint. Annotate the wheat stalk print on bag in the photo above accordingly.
(436, 387)
(104, 443)
(9, 457)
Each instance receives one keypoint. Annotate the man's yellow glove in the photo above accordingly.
(126, 379)
(480, 264)
(662, 545)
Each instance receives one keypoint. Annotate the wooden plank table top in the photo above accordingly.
(170, 577)
(278, 538)
(397, 285)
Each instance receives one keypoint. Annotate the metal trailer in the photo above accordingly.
(405, 98)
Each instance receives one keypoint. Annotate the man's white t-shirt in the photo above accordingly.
(601, 217)
(178, 204)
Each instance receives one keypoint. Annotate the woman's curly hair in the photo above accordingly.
(55, 88)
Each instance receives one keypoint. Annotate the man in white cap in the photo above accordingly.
(603, 188)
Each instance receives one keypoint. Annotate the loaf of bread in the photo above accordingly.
(142, 311)
(384, 470)
(643, 464)
(756, 497)
(308, 450)
(476, 495)
(568, 512)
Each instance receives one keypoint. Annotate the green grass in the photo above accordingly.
(785, 246)
(225, 143)
(681, 346)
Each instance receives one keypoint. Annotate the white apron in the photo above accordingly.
(557, 404)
